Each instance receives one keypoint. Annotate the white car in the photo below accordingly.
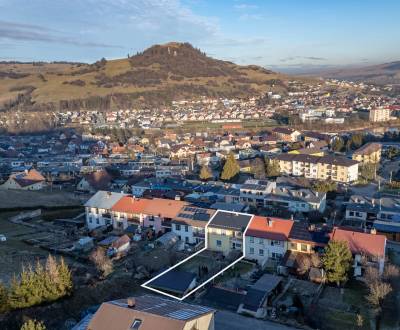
(3, 238)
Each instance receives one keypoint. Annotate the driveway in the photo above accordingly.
(231, 321)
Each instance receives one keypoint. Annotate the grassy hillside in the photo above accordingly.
(156, 76)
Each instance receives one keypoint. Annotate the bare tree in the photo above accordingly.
(102, 262)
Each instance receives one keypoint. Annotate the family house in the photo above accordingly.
(267, 238)
(150, 312)
(368, 249)
(27, 180)
(225, 231)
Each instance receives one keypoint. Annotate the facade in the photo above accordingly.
(286, 134)
(190, 222)
(339, 169)
(369, 153)
(267, 239)
(98, 208)
(379, 115)
(225, 231)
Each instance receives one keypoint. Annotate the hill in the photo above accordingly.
(158, 75)
(388, 73)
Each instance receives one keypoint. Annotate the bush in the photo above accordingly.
(33, 325)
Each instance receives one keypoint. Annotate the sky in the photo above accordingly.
(284, 34)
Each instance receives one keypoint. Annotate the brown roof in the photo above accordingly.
(368, 148)
(359, 242)
(154, 313)
(28, 178)
(167, 208)
(99, 180)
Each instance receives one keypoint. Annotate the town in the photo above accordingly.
(125, 208)
(199, 165)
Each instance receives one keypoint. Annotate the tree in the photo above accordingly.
(205, 173)
(258, 168)
(357, 140)
(4, 306)
(231, 168)
(102, 262)
(40, 284)
(337, 261)
(33, 325)
(324, 186)
(337, 144)
(368, 172)
(271, 167)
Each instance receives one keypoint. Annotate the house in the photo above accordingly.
(286, 134)
(27, 180)
(98, 180)
(225, 231)
(369, 153)
(368, 249)
(267, 239)
(150, 312)
(121, 244)
(259, 296)
(98, 208)
(190, 222)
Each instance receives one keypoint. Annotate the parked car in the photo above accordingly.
(3, 238)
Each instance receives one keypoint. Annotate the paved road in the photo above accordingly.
(231, 321)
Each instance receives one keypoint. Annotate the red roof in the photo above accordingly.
(359, 242)
(130, 205)
(270, 228)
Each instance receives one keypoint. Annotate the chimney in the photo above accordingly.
(373, 231)
(177, 197)
(270, 222)
(131, 302)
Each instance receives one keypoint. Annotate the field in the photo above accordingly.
(20, 199)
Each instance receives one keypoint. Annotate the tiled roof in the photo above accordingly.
(270, 228)
(359, 242)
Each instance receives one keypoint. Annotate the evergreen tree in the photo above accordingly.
(205, 173)
(337, 144)
(33, 325)
(231, 168)
(4, 306)
(337, 261)
(271, 167)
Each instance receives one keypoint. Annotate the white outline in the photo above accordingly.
(145, 285)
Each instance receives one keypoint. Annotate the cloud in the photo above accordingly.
(296, 58)
(250, 17)
(245, 6)
(29, 32)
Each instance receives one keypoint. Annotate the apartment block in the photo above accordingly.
(339, 169)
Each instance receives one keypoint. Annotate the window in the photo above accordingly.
(304, 247)
(261, 241)
(186, 228)
(293, 246)
(97, 221)
(276, 256)
(261, 252)
(251, 250)
(177, 227)
(136, 324)
(251, 239)
(351, 213)
(219, 243)
(186, 239)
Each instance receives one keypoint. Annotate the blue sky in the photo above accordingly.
(281, 34)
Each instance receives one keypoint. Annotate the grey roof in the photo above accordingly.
(257, 294)
(328, 159)
(165, 307)
(174, 281)
(233, 207)
(104, 199)
(229, 220)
